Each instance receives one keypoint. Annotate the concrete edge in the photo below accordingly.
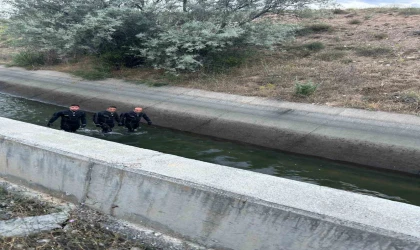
(180, 196)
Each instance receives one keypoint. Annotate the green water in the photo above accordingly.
(307, 169)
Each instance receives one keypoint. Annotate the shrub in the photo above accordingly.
(314, 28)
(373, 51)
(29, 59)
(99, 72)
(347, 61)
(171, 35)
(315, 46)
(409, 11)
(221, 62)
(187, 48)
(320, 27)
(331, 55)
(118, 58)
(344, 47)
(355, 21)
(339, 12)
(305, 89)
(368, 17)
(380, 36)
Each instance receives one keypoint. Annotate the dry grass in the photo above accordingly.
(78, 233)
(83, 230)
(14, 205)
(362, 66)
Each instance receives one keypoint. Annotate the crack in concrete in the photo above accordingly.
(88, 182)
(113, 205)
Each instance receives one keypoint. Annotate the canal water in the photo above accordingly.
(367, 181)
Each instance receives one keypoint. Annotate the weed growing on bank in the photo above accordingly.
(305, 89)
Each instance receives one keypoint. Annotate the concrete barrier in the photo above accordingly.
(211, 205)
(376, 139)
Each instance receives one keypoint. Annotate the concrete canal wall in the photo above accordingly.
(377, 139)
(208, 204)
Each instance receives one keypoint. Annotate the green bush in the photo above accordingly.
(187, 47)
(220, 62)
(171, 35)
(305, 89)
(314, 28)
(339, 12)
(346, 61)
(99, 72)
(409, 11)
(331, 55)
(373, 51)
(315, 46)
(343, 47)
(380, 36)
(29, 59)
(355, 21)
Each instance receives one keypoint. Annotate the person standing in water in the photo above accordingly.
(131, 120)
(105, 119)
(71, 119)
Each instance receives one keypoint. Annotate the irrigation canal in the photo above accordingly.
(383, 184)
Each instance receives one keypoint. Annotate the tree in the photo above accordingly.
(171, 34)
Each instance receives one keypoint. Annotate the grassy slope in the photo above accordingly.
(371, 60)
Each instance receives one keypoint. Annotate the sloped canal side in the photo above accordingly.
(382, 184)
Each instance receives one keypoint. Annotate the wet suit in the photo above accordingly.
(70, 120)
(105, 120)
(131, 120)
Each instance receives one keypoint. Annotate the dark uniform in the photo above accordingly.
(131, 120)
(70, 120)
(105, 120)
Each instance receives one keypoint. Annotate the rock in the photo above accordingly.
(31, 225)
(67, 228)
(43, 241)
(4, 216)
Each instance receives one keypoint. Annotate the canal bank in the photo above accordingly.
(377, 139)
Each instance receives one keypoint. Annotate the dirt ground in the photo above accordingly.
(370, 60)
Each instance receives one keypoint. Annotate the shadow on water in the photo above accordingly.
(387, 185)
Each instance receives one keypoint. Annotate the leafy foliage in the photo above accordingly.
(331, 55)
(29, 59)
(305, 89)
(315, 46)
(314, 28)
(373, 51)
(187, 47)
(173, 35)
